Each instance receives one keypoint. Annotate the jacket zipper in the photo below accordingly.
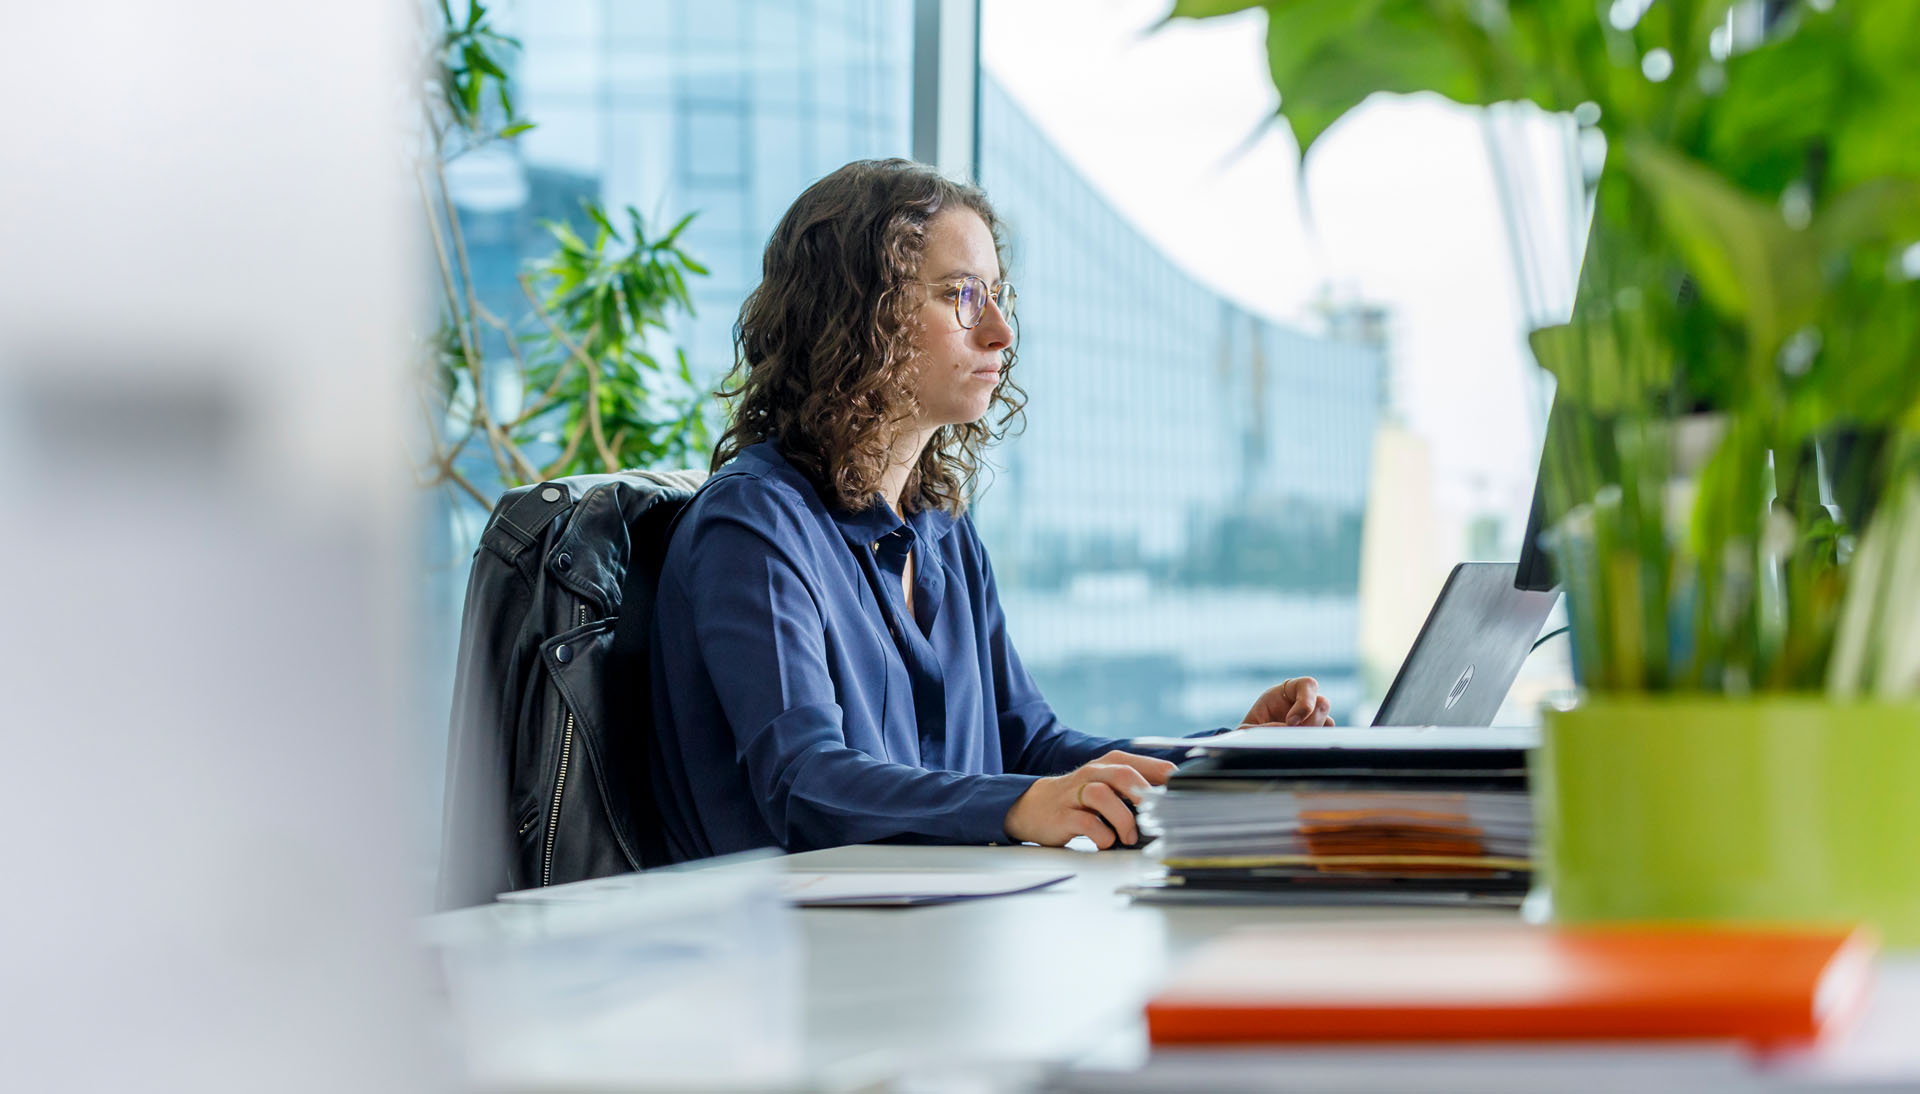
(559, 786)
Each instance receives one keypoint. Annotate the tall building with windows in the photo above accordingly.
(726, 109)
(1178, 525)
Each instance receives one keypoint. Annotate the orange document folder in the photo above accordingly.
(1513, 982)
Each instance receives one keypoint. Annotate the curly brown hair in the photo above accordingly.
(824, 359)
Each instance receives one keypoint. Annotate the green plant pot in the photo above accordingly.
(1788, 810)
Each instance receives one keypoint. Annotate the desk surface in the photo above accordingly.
(1056, 975)
(1006, 987)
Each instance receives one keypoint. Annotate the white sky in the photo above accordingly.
(1404, 209)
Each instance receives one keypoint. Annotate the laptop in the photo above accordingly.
(1468, 652)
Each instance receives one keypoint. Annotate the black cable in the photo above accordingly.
(1544, 637)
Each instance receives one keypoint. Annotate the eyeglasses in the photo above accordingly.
(970, 298)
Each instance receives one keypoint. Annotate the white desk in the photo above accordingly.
(1040, 977)
(1006, 989)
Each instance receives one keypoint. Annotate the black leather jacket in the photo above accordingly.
(548, 769)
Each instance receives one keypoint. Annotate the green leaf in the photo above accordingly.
(677, 286)
(514, 130)
(612, 331)
(1299, 32)
(1327, 56)
(598, 216)
(1779, 100)
(1876, 131)
(674, 233)
(1866, 371)
(1886, 34)
(564, 233)
(1883, 211)
(636, 298)
(1207, 9)
(1749, 264)
(1606, 362)
(603, 232)
(478, 58)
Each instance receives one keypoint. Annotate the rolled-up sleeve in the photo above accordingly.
(762, 637)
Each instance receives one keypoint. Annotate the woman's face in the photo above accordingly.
(958, 369)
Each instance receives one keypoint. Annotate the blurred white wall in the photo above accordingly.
(206, 283)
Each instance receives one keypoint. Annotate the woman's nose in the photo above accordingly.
(994, 327)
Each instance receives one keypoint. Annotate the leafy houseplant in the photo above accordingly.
(1733, 467)
(586, 390)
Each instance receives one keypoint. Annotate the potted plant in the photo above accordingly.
(568, 379)
(1733, 466)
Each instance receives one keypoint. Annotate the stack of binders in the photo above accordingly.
(1435, 814)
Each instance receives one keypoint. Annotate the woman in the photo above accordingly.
(831, 663)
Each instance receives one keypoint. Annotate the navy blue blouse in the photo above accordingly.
(798, 703)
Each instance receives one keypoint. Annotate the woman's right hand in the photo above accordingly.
(1089, 801)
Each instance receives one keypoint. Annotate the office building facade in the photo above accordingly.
(1178, 526)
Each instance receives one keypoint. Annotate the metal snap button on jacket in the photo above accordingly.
(563, 654)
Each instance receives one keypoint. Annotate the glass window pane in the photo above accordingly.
(722, 108)
(1186, 517)
(726, 109)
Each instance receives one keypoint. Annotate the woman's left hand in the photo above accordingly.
(1295, 702)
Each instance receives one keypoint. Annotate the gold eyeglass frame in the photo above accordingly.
(993, 294)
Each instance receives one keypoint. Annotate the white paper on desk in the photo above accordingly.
(1357, 737)
(828, 888)
(905, 888)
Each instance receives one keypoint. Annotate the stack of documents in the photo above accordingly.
(1372, 814)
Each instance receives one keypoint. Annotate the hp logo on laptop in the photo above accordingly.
(1460, 687)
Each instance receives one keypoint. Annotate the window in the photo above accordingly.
(1201, 511)
(723, 108)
